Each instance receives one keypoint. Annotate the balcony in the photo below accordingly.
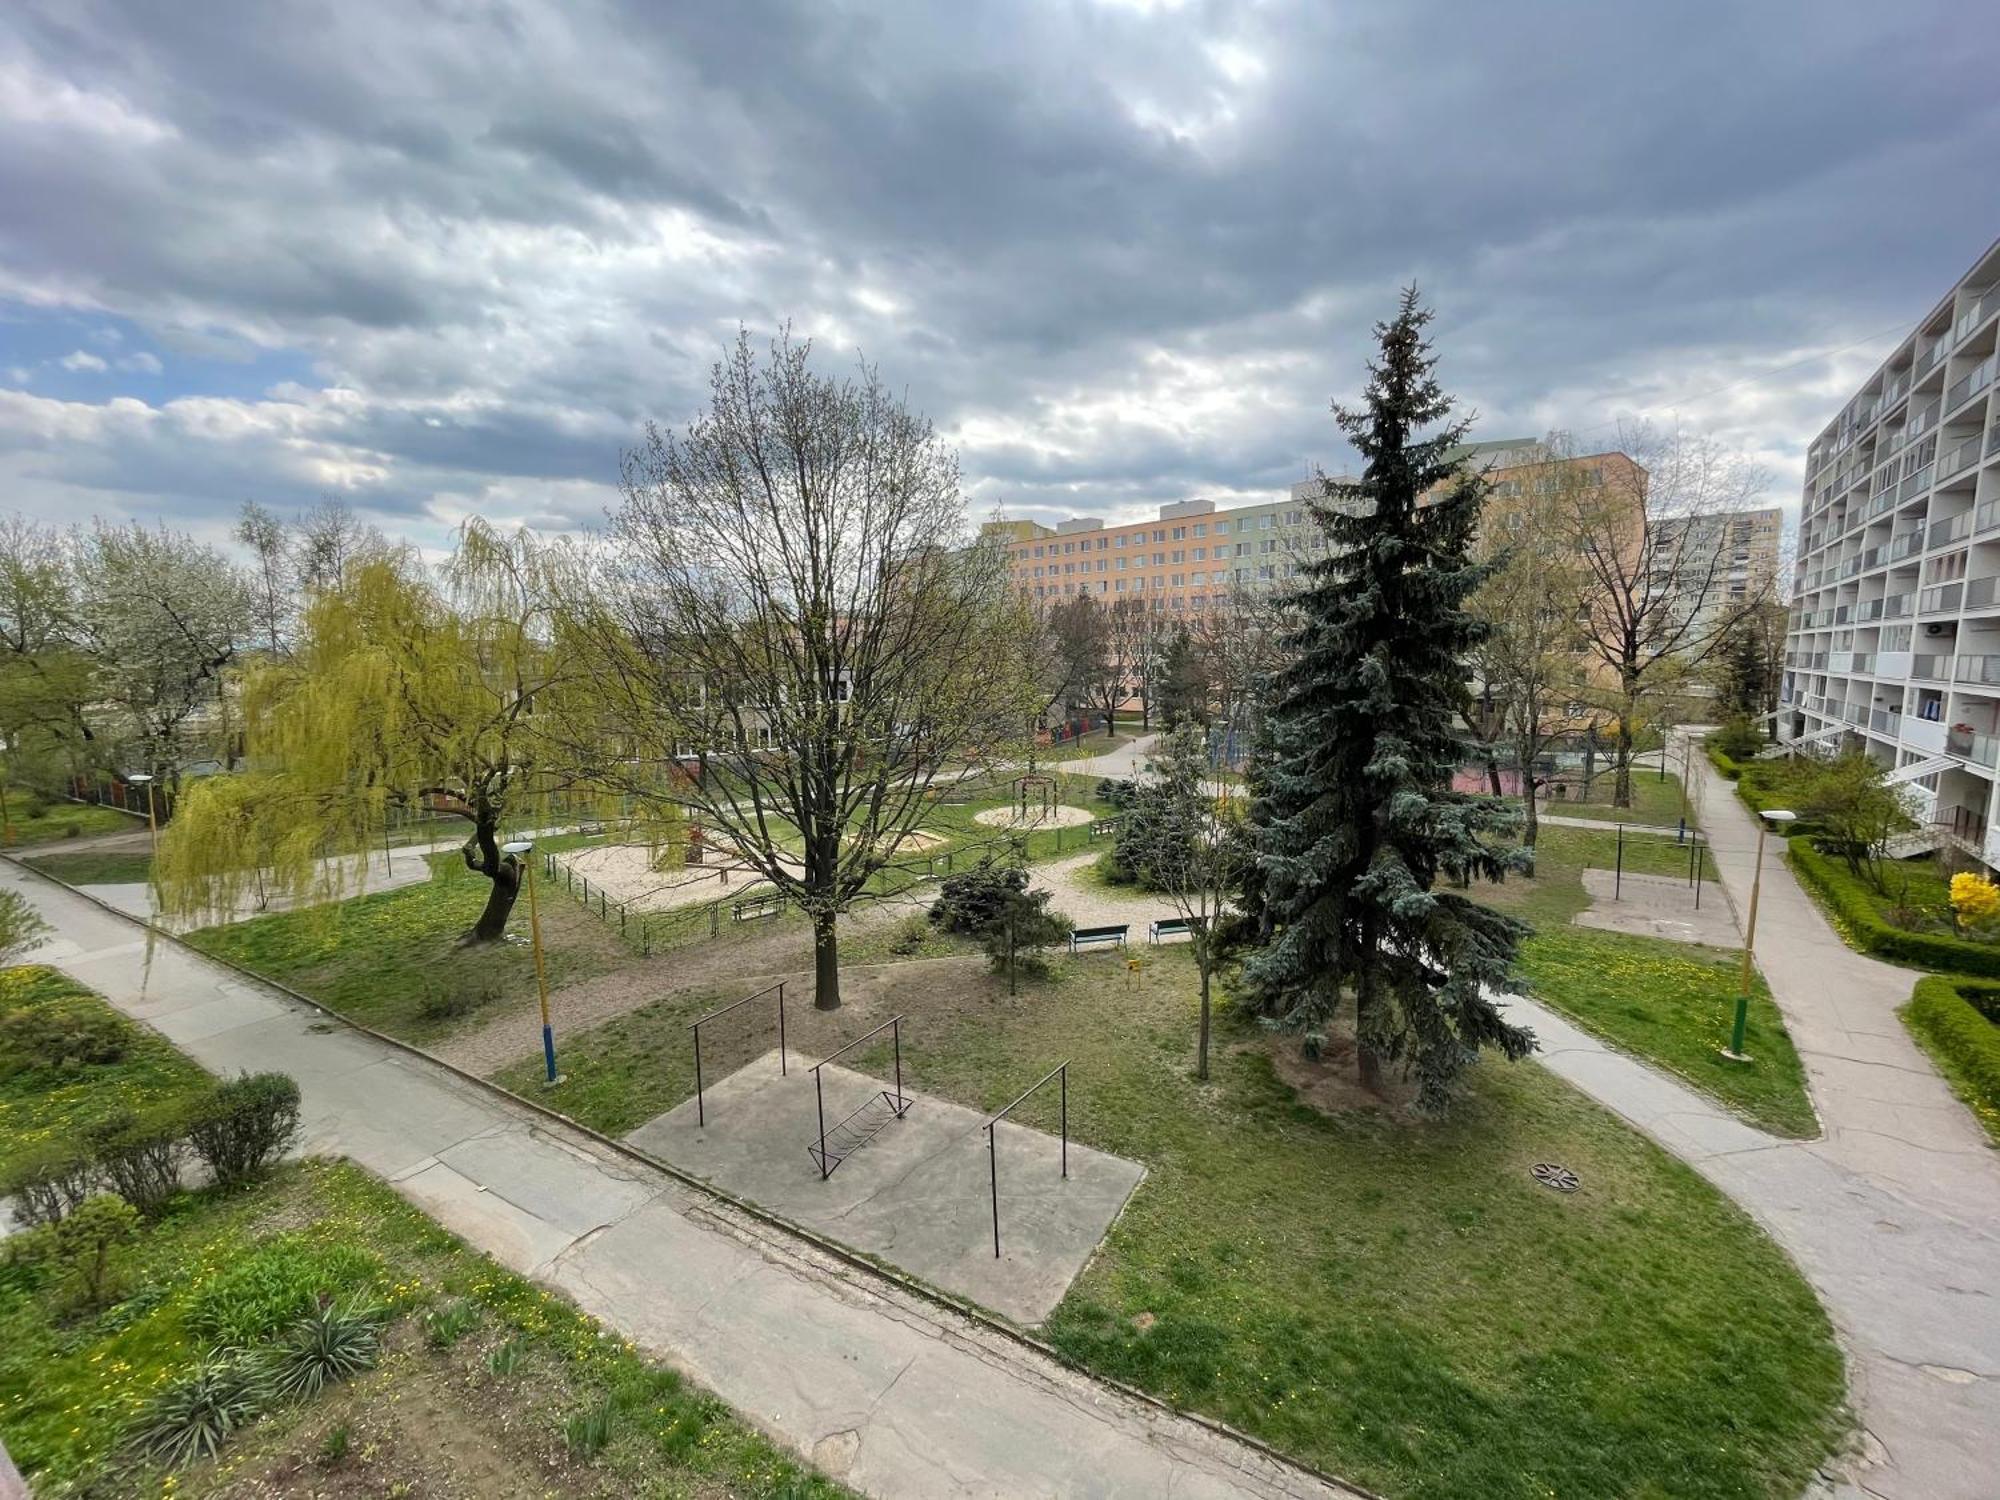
(1957, 460)
(1977, 671)
(1979, 593)
(1949, 530)
(1915, 484)
(1941, 600)
(1981, 750)
(1970, 384)
(1974, 315)
(1909, 544)
(1926, 735)
(1931, 668)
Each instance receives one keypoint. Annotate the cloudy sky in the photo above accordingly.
(442, 257)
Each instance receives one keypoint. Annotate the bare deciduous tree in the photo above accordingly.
(792, 606)
(1655, 566)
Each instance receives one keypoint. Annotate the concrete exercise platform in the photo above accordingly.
(918, 1194)
(1660, 906)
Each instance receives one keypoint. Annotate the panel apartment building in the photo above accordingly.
(1894, 643)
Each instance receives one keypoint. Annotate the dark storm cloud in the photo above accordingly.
(1123, 253)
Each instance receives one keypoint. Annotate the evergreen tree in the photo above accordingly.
(1358, 818)
(1183, 693)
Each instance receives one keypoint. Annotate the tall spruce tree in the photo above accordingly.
(1358, 819)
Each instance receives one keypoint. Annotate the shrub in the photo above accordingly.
(507, 1357)
(1725, 764)
(192, 1418)
(1739, 739)
(1955, 1018)
(65, 1034)
(246, 1124)
(141, 1155)
(1019, 932)
(910, 935)
(1858, 917)
(48, 1183)
(83, 1247)
(1117, 792)
(323, 1348)
(1975, 901)
(969, 901)
(281, 1281)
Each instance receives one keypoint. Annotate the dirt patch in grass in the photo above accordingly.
(1328, 1083)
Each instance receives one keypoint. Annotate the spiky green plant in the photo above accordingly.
(325, 1346)
(588, 1432)
(192, 1418)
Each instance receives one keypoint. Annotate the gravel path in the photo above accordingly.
(1087, 904)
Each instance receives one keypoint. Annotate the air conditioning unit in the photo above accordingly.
(1935, 629)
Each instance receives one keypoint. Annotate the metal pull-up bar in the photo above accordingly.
(993, 1153)
(898, 1106)
(700, 1110)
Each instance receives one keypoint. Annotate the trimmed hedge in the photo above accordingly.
(1730, 769)
(1853, 907)
(1953, 1018)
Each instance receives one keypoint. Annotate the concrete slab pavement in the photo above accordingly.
(891, 1392)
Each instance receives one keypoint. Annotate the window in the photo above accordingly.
(1103, 542)
(1242, 549)
(1100, 564)
(1201, 528)
(1264, 573)
(1180, 581)
(1121, 582)
(1201, 554)
(1069, 546)
(1180, 533)
(1038, 572)
(1294, 517)
(1159, 559)
(1038, 552)
(1573, 710)
(1121, 566)
(1222, 528)
(1159, 536)
(1069, 567)
(1138, 585)
(760, 736)
(1123, 540)
(1100, 585)
(1267, 546)
(1264, 522)
(1180, 554)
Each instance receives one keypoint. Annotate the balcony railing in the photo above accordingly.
(1915, 484)
(1939, 600)
(1970, 384)
(1982, 671)
(1979, 593)
(1931, 668)
(1906, 545)
(1950, 529)
(1957, 460)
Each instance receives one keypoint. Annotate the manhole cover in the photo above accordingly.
(1562, 1179)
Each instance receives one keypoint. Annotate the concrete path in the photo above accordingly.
(1125, 761)
(1894, 1214)
(1556, 820)
(882, 1389)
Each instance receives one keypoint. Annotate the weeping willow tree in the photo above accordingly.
(405, 692)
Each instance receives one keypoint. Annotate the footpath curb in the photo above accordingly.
(852, 1259)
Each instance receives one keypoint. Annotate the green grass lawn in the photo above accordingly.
(436, 1416)
(41, 1102)
(1399, 1303)
(59, 821)
(88, 868)
(389, 960)
(1654, 800)
(1670, 1003)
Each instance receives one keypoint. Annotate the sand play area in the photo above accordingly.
(1013, 819)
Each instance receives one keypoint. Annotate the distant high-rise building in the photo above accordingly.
(1894, 644)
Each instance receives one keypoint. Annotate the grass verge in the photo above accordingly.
(45, 1099)
(87, 868)
(1396, 1302)
(1954, 1021)
(481, 1375)
(389, 960)
(58, 821)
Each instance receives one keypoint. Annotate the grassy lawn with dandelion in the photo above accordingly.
(67, 1060)
(1394, 1300)
(481, 1384)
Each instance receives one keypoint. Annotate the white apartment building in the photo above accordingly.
(1894, 643)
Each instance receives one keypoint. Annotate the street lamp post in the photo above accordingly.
(1772, 817)
(521, 849)
(145, 779)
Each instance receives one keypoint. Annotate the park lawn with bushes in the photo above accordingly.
(1875, 921)
(87, 868)
(1671, 1004)
(69, 1060)
(1957, 1023)
(31, 822)
(483, 1383)
(1654, 801)
(1397, 1302)
(390, 960)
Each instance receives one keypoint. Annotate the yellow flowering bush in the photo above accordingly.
(1975, 902)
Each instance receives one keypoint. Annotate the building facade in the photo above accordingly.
(1894, 640)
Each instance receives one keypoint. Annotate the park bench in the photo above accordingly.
(590, 830)
(1166, 927)
(1084, 937)
(757, 907)
(1104, 828)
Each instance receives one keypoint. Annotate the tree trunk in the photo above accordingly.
(826, 962)
(1201, 1046)
(492, 923)
(1621, 790)
(1367, 1061)
(1493, 773)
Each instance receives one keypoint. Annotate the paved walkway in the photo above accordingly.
(1894, 1214)
(885, 1390)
